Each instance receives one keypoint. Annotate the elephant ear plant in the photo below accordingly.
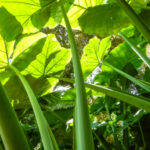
(83, 134)
(30, 51)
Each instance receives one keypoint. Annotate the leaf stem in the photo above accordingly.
(83, 134)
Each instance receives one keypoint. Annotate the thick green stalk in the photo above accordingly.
(135, 19)
(10, 130)
(83, 134)
(47, 137)
(136, 50)
(137, 101)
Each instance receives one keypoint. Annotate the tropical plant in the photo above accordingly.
(75, 74)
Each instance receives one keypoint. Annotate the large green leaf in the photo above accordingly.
(93, 54)
(51, 60)
(10, 28)
(21, 9)
(20, 56)
(103, 20)
(118, 57)
(77, 9)
(17, 94)
(33, 15)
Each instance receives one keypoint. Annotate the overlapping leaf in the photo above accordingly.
(17, 94)
(15, 48)
(103, 20)
(51, 60)
(10, 28)
(33, 15)
(77, 9)
(21, 56)
(93, 54)
(118, 57)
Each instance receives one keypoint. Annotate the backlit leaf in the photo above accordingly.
(103, 20)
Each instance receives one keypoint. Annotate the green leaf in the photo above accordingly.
(6, 50)
(135, 19)
(141, 55)
(28, 55)
(34, 15)
(103, 20)
(10, 126)
(105, 44)
(51, 60)
(93, 54)
(31, 14)
(118, 57)
(21, 55)
(45, 131)
(61, 114)
(10, 28)
(90, 59)
(17, 94)
(40, 17)
(77, 9)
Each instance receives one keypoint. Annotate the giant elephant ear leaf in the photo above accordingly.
(77, 9)
(118, 57)
(34, 15)
(31, 14)
(103, 20)
(10, 28)
(21, 56)
(51, 60)
(17, 94)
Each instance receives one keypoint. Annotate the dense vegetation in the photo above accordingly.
(75, 74)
